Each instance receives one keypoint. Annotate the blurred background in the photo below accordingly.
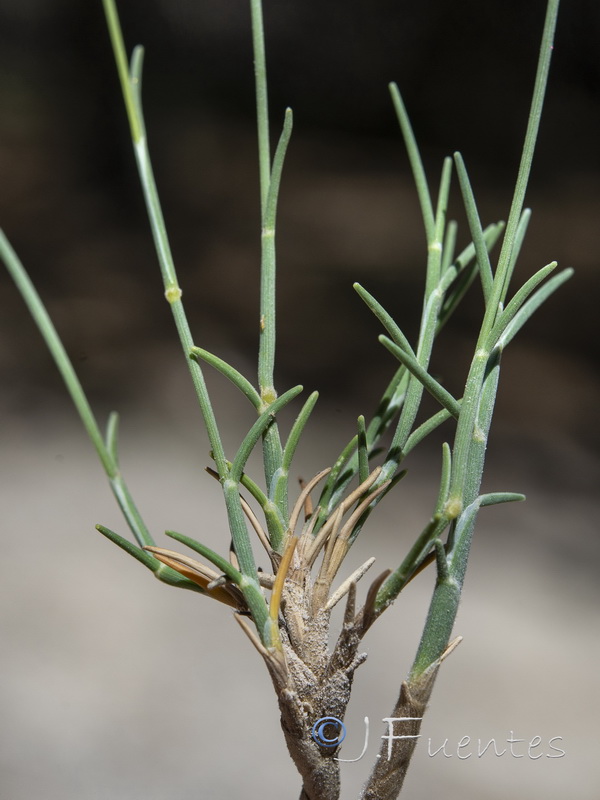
(104, 680)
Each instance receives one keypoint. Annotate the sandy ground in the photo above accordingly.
(114, 686)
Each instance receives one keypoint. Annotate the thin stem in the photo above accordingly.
(262, 102)
(107, 458)
(505, 261)
(116, 37)
(266, 353)
(57, 350)
(416, 163)
(478, 401)
(131, 87)
(270, 176)
(471, 401)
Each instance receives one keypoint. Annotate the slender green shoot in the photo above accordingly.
(107, 452)
(416, 163)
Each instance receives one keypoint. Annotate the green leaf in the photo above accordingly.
(136, 67)
(116, 35)
(449, 245)
(221, 563)
(256, 431)
(389, 406)
(277, 169)
(386, 320)
(444, 479)
(161, 571)
(517, 302)
(441, 560)
(506, 260)
(112, 436)
(375, 502)
(425, 429)
(416, 163)
(336, 482)
(456, 292)
(442, 395)
(297, 429)
(500, 497)
(230, 373)
(516, 249)
(435, 246)
(464, 270)
(278, 491)
(483, 258)
(272, 449)
(414, 558)
(531, 306)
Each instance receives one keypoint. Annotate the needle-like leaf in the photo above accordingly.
(229, 372)
(434, 388)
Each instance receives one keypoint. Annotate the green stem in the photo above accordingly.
(416, 162)
(116, 37)
(270, 175)
(505, 261)
(262, 102)
(107, 458)
(478, 400)
(131, 87)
